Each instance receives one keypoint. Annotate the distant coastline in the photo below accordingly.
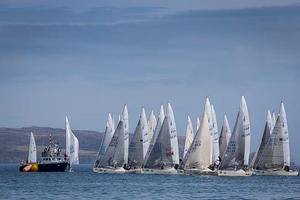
(15, 141)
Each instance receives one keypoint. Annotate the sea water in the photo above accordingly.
(82, 183)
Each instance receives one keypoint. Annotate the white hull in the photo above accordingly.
(200, 172)
(275, 173)
(234, 173)
(119, 170)
(159, 171)
(135, 171)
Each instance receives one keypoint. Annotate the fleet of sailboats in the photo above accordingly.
(153, 147)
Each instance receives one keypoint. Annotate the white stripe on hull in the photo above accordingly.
(234, 173)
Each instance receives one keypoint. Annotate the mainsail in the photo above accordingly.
(159, 123)
(224, 136)
(199, 153)
(124, 118)
(164, 153)
(189, 136)
(72, 145)
(270, 121)
(151, 126)
(264, 153)
(285, 136)
(173, 134)
(108, 134)
(266, 136)
(137, 149)
(215, 135)
(207, 110)
(237, 153)
(273, 119)
(32, 150)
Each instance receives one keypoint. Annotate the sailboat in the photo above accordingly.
(31, 163)
(273, 157)
(108, 134)
(138, 147)
(164, 156)
(266, 136)
(115, 158)
(198, 158)
(72, 146)
(158, 126)
(189, 136)
(224, 136)
(236, 158)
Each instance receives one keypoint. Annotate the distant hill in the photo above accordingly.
(15, 141)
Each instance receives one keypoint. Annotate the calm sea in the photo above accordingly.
(84, 184)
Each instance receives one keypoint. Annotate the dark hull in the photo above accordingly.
(53, 167)
(49, 167)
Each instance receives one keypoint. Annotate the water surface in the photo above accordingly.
(84, 184)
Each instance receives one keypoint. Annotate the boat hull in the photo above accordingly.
(234, 173)
(119, 170)
(44, 167)
(275, 173)
(200, 172)
(159, 171)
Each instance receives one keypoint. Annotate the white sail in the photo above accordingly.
(198, 124)
(189, 136)
(273, 119)
(32, 150)
(173, 134)
(285, 136)
(135, 155)
(108, 134)
(224, 136)
(145, 132)
(270, 121)
(150, 151)
(215, 135)
(72, 145)
(207, 110)
(199, 153)
(151, 126)
(264, 151)
(113, 125)
(237, 153)
(124, 118)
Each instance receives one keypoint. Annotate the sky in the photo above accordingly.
(86, 60)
